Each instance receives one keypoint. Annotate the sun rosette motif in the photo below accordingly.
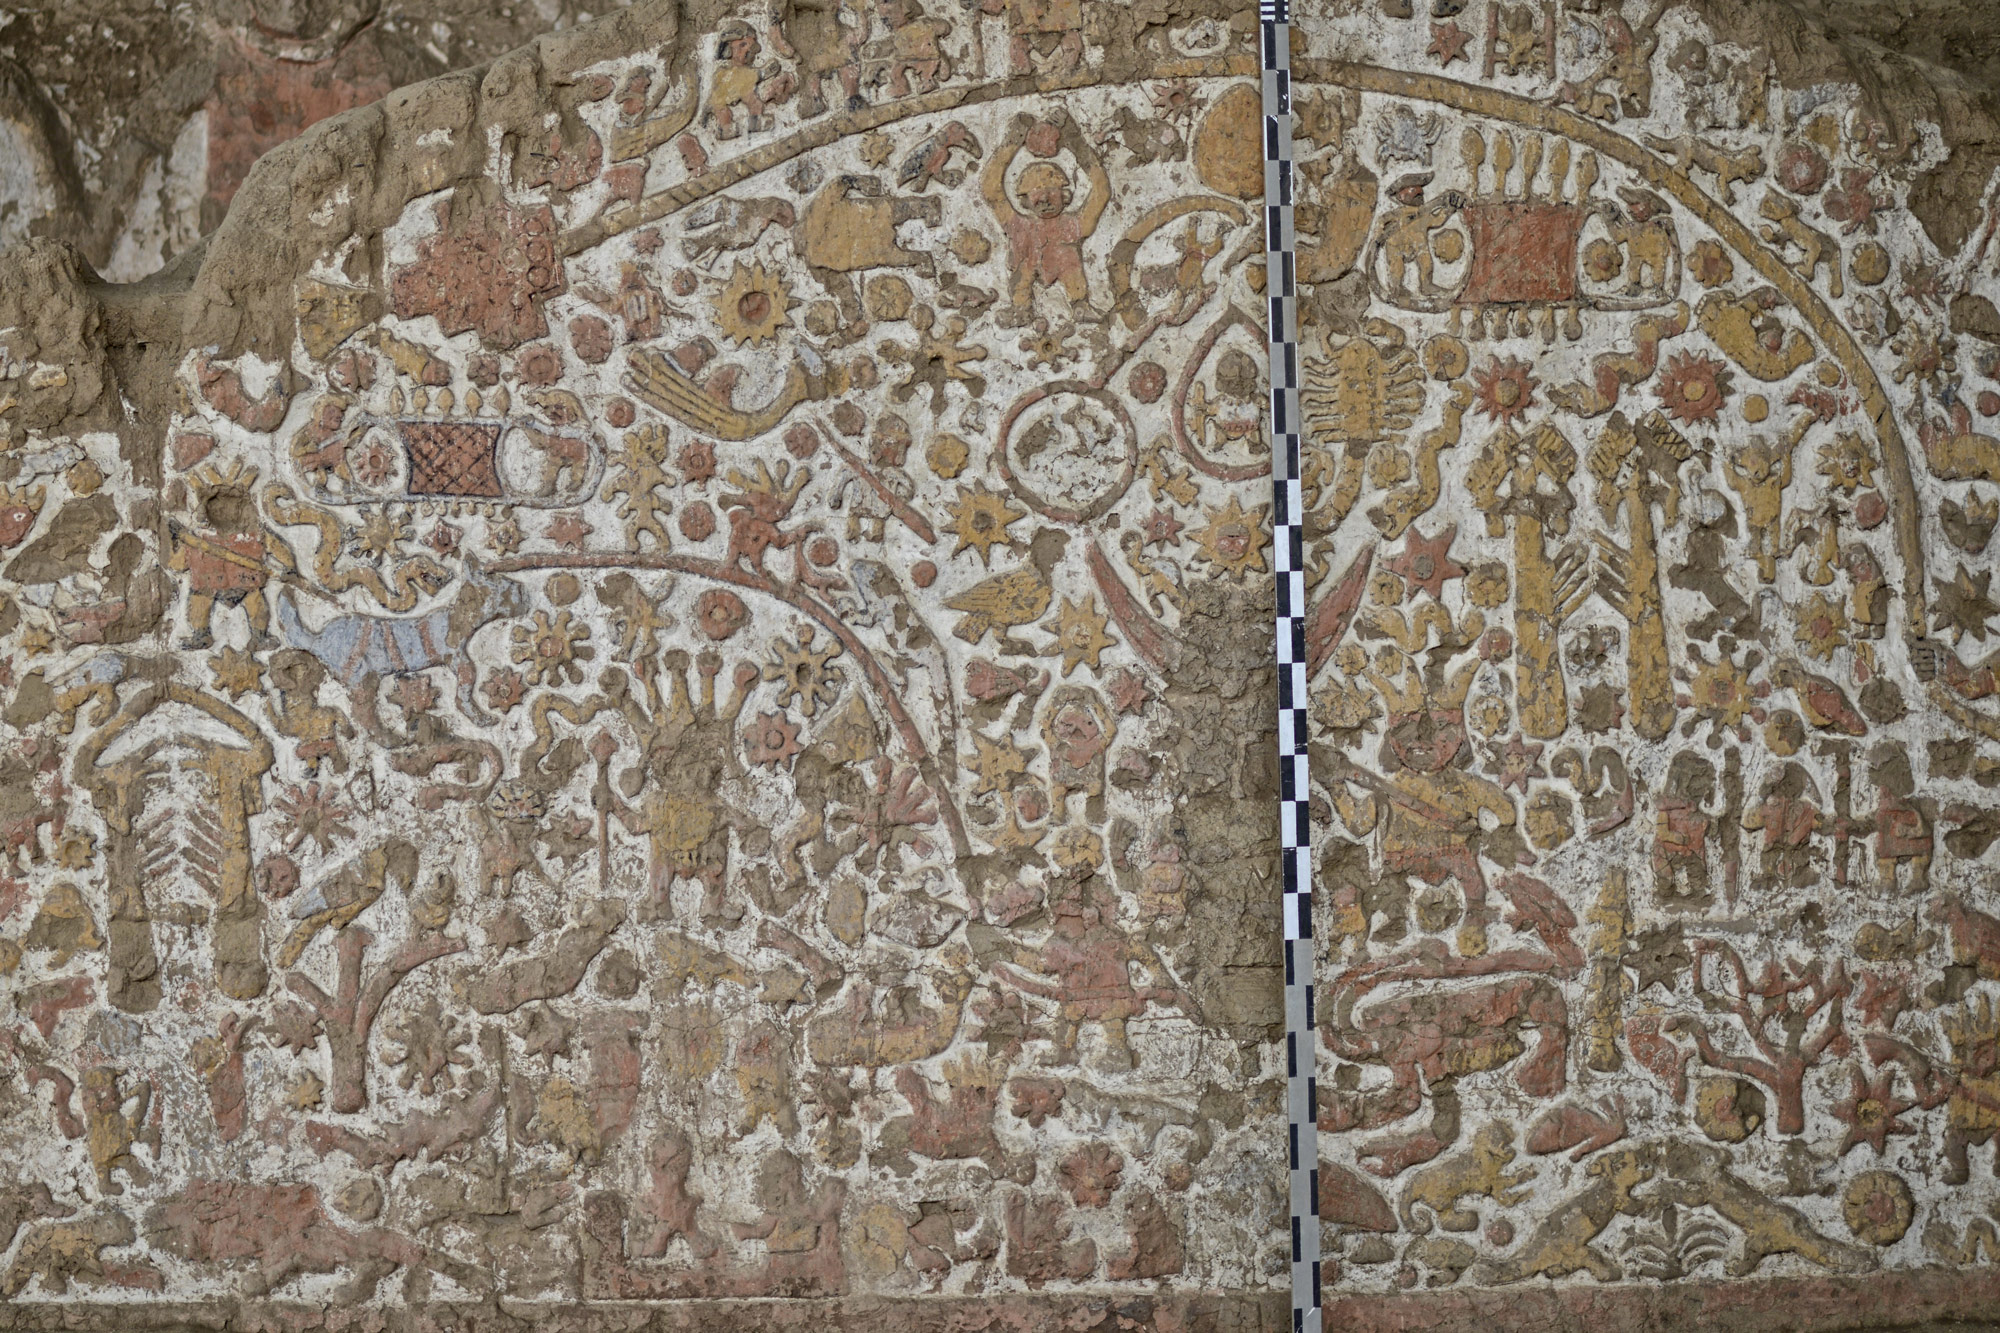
(682, 709)
(752, 306)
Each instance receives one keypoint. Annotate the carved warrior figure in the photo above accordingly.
(231, 562)
(740, 92)
(1041, 30)
(910, 57)
(1429, 810)
(1680, 847)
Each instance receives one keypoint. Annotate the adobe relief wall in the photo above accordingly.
(644, 686)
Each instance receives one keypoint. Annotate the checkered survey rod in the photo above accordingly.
(1294, 827)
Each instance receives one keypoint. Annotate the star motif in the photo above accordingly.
(1234, 540)
(1517, 761)
(1600, 708)
(504, 537)
(1080, 636)
(1693, 388)
(504, 689)
(568, 531)
(997, 763)
(443, 539)
(1448, 42)
(1964, 605)
(753, 305)
(379, 534)
(1820, 626)
(980, 518)
(304, 1092)
(1425, 562)
(1870, 1112)
(237, 671)
(804, 672)
(1318, 120)
(1161, 528)
(772, 740)
(1128, 691)
(1505, 389)
(876, 148)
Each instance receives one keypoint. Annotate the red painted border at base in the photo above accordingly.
(1926, 1301)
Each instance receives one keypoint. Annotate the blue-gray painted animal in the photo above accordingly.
(355, 647)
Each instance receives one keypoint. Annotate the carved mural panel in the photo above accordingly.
(654, 684)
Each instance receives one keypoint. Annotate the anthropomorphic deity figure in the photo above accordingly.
(1759, 471)
(1788, 819)
(1430, 811)
(1409, 237)
(1044, 237)
(740, 94)
(231, 560)
(1090, 958)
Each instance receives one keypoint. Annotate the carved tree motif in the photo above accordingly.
(347, 1016)
(1775, 1014)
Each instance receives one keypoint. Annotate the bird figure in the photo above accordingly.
(1145, 141)
(1014, 598)
(931, 159)
(344, 895)
(1822, 700)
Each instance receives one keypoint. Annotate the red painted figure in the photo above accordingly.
(1680, 839)
(1788, 822)
(1044, 238)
